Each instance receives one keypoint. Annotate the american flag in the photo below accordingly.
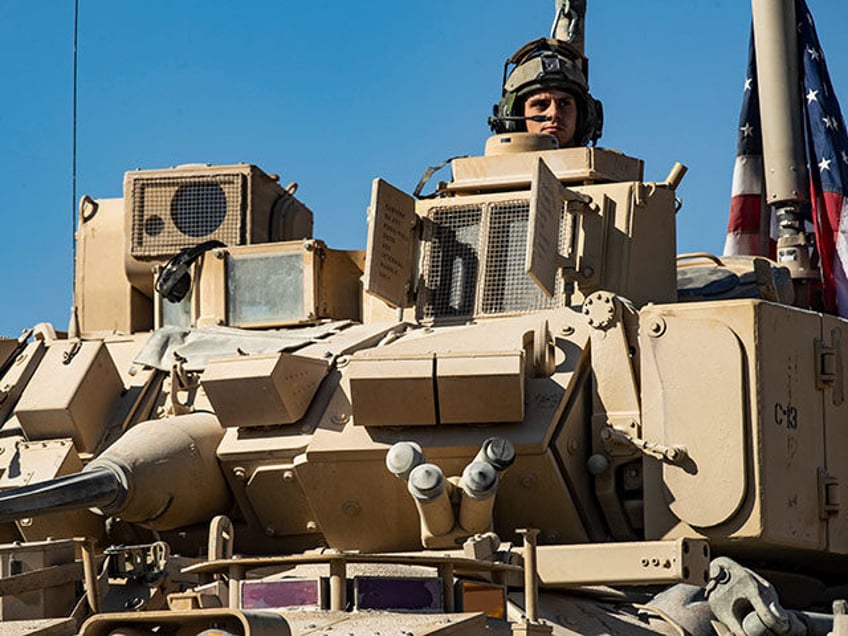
(747, 205)
(827, 152)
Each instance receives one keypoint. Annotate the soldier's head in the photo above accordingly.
(544, 80)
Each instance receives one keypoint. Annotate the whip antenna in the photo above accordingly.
(74, 152)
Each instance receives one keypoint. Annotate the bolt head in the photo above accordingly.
(351, 508)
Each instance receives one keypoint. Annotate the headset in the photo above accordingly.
(174, 281)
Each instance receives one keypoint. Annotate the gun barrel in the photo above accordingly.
(94, 488)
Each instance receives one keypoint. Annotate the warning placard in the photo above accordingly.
(546, 197)
(392, 242)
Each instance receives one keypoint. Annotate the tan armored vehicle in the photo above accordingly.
(499, 417)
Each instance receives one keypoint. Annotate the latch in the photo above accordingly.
(182, 381)
(829, 366)
(828, 494)
(675, 455)
(138, 562)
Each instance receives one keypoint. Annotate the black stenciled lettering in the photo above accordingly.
(786, 415)
(791, 417)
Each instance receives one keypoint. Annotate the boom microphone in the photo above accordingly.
(539, 118)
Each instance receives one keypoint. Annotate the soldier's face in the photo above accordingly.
(560, 107)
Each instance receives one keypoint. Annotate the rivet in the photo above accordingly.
(340, 418)
(528, 480)
(657, 328)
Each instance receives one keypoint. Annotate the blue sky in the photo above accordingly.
(332, 94)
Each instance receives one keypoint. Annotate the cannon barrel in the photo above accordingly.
(94, 488)
(163, 473)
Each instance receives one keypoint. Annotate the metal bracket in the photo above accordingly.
(145, 562)
(181, 381)
(828, 490)
(682, 560)
(221, 538)
(829, 366)
(616, 404)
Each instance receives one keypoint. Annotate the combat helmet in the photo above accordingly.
(547, 63)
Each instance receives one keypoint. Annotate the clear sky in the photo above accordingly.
(332, 94)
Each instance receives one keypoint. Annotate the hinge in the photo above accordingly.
(829, 366)
(828, 494)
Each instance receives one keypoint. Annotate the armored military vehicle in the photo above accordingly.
(501, 416)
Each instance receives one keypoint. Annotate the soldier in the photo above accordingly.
(546, 92)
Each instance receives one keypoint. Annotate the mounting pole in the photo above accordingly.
(784, 152)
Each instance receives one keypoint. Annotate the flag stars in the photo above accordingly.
(824, 164)
(812, 96)
(747, 130)
(830, 123)
(748, 83)
(813, 53)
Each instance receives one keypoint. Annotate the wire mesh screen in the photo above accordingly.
(486, 242)
(451, 261)
(170, 213)
(507, 287)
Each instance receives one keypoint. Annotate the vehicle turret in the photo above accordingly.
(516, 391)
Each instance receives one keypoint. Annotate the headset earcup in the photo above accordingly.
(594, 124)
(495, 123)
(506, 108)
(598, 129)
